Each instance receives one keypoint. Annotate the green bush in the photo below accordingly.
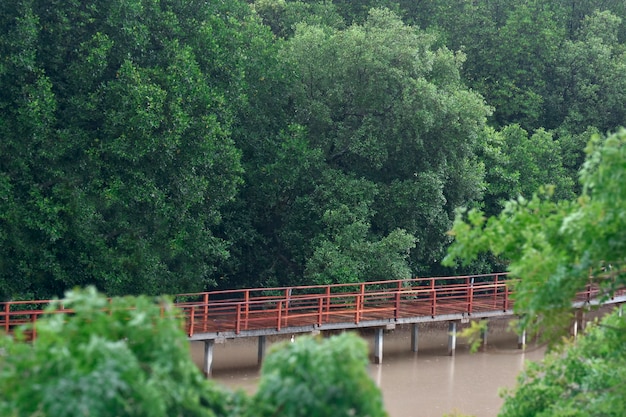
(123, 357)
(128, 357)
(315, 377)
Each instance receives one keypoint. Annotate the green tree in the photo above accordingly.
(589, 77)
(574, 12)
(579, 379)
(519, 164)
(129, 357)
(116, 156)
(526, 47)
(509, 44)
(395, 126)
(119, 357)
(347, 177)
(556, 247)
(283, 16)
(529, 58)
(573, 150)
(318, 377)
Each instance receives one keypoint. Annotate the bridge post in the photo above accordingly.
(378, 346)
(521, 340)
(451, 337)
(579, 322)
(261, 350)
(208, 357)
(414, 337)
(483, 335)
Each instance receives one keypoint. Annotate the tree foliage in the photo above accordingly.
(118, 357)
(160, 147)
(520, 57)
(589, 76)
(582, 378)
(116, 156)
(129, 357)
(390, 117)
(518, 164)
(318, 377)
(346, 176)
(557, 248)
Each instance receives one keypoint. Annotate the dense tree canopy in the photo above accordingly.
(159, 147)
(116, 157)
(361, 184)
(519, 164)
(173, 146)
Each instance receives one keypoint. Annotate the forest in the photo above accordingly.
(159, 147)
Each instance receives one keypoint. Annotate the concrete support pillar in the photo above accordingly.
(580, 317)
(579, 322)
(521, 340)
(208, 357)
(451, 337)
(483, 335)
(378, 346)
(619, 311)
(414, 337)
(261, 349)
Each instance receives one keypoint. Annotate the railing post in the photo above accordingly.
(238, 322)
(495, 292)
(433, 293)
(246, 309)
(33, 320)
(327, 302)
(320, 311)
(506, 297)
(191, 321)
(287, 304)
(205, 312)
(7, 310)
(280, 311)
(359, 303)
(470, 294)
(397, 312)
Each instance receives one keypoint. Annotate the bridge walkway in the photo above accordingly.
(260, 312)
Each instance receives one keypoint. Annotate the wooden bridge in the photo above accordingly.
(260, 312)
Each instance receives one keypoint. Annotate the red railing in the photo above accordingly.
(278, 308)
(236, 311)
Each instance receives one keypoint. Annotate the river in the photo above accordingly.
(428, 383)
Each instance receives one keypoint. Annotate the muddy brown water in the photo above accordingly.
(428, 383)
